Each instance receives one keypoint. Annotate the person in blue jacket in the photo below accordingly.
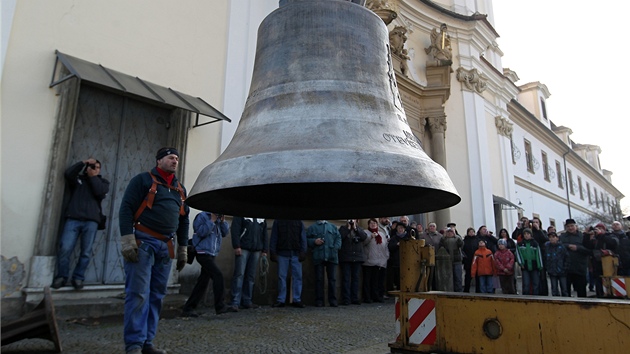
(209, 229)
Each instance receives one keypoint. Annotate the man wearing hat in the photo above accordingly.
(152, 214)
(83, 215)
(578, 258)
(601, 243)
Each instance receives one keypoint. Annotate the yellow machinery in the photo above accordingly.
(441, 322)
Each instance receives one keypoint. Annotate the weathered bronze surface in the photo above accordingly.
(323, 134)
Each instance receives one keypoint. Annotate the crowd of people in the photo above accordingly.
(371, 258)
(153, 215)
(568, 261)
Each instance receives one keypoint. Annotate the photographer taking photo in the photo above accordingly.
(351, 258)
(83, 214)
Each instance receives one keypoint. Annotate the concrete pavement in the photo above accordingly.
(354, 329)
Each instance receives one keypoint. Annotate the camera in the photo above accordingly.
(351, 222)
(90, 165)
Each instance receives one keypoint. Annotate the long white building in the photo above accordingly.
(118, 79)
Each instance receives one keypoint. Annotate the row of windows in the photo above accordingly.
(549, 173)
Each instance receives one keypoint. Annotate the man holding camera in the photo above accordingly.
(209, 229)
(523, 224)
(83, 215)
(350, 260)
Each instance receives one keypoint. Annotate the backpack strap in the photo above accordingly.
(148, 200)
(148, 203)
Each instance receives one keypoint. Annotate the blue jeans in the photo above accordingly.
(485, 284)
(562, 280)
(145, 287)
(350, 272)
(71, 232)
(331, 269)
(244, 277)
(296, 278)
(531, 282)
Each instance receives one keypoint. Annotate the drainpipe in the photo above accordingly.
(564, 159)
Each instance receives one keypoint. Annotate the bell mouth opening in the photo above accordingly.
(318, 201)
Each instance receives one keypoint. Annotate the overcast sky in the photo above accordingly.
(578, 50)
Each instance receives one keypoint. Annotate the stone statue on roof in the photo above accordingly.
(440, 48)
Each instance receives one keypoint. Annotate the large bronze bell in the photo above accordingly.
(323, 134)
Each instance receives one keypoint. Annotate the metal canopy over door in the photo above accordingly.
(124, 135)
(122, 121)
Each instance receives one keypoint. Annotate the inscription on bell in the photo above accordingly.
(408, 139)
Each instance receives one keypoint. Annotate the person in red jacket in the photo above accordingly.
(483, 267)
(504, 262)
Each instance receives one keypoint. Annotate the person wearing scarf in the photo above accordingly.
(375, 265)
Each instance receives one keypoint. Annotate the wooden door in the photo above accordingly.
(124, 134)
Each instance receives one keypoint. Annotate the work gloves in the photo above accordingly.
(182, 257)
(129, 248)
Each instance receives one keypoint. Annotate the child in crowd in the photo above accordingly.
(504, 262)
(530, 259)
(483, 267)
(555, 263)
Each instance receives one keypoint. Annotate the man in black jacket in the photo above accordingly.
(578, 258)
(288, 246)
(601, 243)
(249, 240)
(350, 259)
(517, 234)
(83, 215)
(623, 249)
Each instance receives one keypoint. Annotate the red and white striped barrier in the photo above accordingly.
(422, 324)
(617, 286)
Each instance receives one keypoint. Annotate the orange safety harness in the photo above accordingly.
(148, 203)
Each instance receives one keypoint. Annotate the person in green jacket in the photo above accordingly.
(530, 259)
(325, 241)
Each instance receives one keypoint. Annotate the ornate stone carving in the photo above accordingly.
(440, 48)
(422, 126)
(397, 39)
(472, 79)
(387, 10)
(504, 127)
(404, 67)
(437, 124)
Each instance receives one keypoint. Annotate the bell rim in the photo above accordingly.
(325, 200)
